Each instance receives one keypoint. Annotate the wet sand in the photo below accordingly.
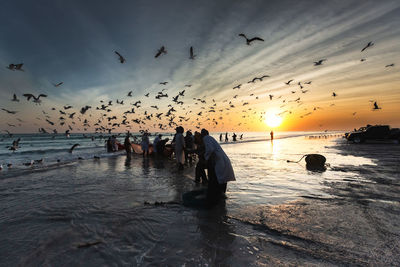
(108, 211)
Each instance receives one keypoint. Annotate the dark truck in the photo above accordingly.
(374, 133)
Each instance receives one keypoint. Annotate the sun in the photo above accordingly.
(273, 120)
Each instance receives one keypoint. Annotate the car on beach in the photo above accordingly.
(375, 133)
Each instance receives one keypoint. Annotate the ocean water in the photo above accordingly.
(115, 211)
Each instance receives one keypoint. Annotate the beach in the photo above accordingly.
(115, 211)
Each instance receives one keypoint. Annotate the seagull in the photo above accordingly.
(368, 45)
(67, 107)
(376, 106)
(248, 41)
(188, 85)
(15, 99)
(192, 55)
(121, 58)
(237, 86)
(72, 148)
(163, 83)
(35, 99)
(390, 65)
(57, 84)
(147, 95)
(319, 62)
(161, 51)
(309, 82)
(19, 67)
(11, 67)
(334, 94)
(130, 93)
(288, 82)
(9, 111)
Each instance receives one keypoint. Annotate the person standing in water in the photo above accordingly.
(219, 167)
(272, 135)
(128, 145)
(145, 143)
(180, 147)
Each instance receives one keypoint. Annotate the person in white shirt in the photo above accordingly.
(220, 170)
(180, 147)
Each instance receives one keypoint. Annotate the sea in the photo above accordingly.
(94, 208)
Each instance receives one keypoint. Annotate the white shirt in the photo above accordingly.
(223, 166)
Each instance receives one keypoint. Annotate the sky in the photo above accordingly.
(73, 42)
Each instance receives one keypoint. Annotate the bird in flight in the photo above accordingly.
(9, 111)
(376, 106)
(288, 82)
(237, 86)
(57, 84)
(163, 83)
(11, 67)
(15, 67)
(72, 148)
(192, 55)
(334, 94)
(161, 51)
(368, 45)
(390, 65)
(15, 99)
(120, 57)
(248, 41)
(319, 62)
(35, 99)
(130, 93)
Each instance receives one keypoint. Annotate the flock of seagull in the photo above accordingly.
(176, 113)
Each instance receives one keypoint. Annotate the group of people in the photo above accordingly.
(234, 137)
(200, 145)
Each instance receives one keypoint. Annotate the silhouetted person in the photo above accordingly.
(180, 147)
(155, 142)
(128, 146)
(241, 136)
(234, 137)
(272, 135)
(200, 173)
(226, 137)
(145, 144)
(220, 137)
(219, 167)
(189, 145)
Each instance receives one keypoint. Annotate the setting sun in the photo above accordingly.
(273, 120)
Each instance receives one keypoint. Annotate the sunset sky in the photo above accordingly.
(74, 42)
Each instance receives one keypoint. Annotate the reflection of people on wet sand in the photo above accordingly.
(272, 135)
(219, 166)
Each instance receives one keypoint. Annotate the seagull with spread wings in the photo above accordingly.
(120, 57)
(35, 99)
(248, 41)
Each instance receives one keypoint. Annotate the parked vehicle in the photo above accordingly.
(374, 133)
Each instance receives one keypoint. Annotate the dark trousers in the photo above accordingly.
(215, 190)
(200, 172)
